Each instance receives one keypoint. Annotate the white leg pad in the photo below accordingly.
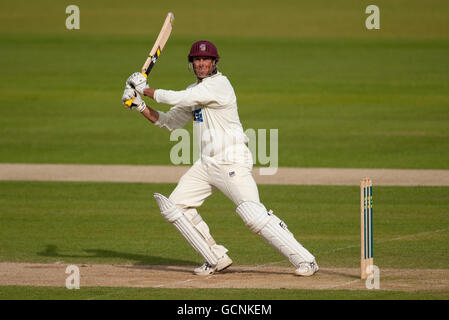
(274, 231)
(254, 215)
(197, 221)
(174, 215)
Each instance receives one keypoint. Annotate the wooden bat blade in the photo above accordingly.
(161, 40)
(155, 52)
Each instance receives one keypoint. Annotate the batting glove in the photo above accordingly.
(137, 102)
(137, 81)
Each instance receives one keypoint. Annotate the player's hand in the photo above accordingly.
(137, 102)
(137, 81)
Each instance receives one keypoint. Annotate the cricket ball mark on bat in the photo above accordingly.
(155, 52)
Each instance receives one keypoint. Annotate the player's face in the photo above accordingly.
(203, 66)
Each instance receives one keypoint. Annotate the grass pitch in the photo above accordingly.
(76, 222)
(120, 223)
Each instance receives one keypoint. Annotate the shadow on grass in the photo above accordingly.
(137, 259)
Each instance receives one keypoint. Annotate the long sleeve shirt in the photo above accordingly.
(212, 105)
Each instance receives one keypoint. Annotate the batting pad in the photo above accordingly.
(274, 231)
(174, 215)
(198, 223)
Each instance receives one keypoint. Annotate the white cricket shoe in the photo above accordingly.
(206, 269)
(306, 269)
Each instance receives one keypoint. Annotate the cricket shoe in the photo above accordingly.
(306, 269)
(206, 269)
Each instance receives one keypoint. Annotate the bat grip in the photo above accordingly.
(129, 102)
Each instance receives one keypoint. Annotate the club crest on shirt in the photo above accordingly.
(197, 115)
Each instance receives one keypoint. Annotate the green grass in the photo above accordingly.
(106, 293)
(340, 95)
(245, 18)
(120, 223)
(336, 103)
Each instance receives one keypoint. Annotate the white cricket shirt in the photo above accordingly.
(212, 105)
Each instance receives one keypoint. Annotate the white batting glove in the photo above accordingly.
(137, 81)
(132, 100)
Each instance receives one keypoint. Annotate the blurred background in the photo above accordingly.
(341, 95)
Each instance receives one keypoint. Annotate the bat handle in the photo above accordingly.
(129, 102)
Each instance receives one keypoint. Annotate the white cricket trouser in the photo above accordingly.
(206, 175)
(237, 183)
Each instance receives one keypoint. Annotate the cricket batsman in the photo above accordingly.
(225, 163)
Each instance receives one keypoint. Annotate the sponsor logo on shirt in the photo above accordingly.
(197, 115)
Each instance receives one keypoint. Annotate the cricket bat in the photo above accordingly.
(155, 52)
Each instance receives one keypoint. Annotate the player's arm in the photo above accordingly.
(213, 94)
(150, 114)
(138, 104)
(198, 95)
(176, 117)
(149, 92)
